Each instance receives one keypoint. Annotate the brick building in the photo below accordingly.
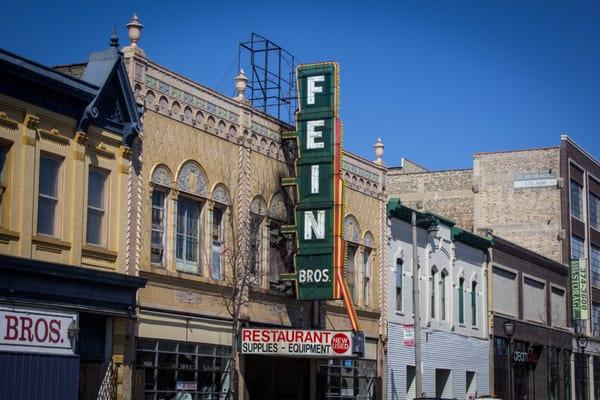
(546, 200)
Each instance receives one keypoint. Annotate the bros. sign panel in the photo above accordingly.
(320, 259)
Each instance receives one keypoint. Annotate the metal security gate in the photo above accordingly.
(38, 376)
(98, 381)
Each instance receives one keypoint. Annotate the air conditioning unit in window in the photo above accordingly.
(156, 254)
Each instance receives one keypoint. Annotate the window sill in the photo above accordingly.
(51, 242)
(99, 252)
(399, 312)
(7, 234)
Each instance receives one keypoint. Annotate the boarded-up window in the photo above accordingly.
(534, 300)
(559, 307)
(504, 291)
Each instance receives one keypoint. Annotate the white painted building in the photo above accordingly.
(453, 308)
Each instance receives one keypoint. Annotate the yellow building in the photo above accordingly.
(211, 192)
(68, 151)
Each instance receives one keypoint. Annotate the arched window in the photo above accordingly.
(366, 276)
(220, 196)
(443, 288)
(351, 271)
(280, 245)
(161, 182)
(433, 290)
(474, 303)
(399, 277)
(189, 243)
(461, 301)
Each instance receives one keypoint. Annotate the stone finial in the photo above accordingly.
(240, 85)
(134, 30)
(378, 147)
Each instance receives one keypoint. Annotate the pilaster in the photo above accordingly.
(28, 170)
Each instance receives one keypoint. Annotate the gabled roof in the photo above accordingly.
(106, 69)
(103, 95)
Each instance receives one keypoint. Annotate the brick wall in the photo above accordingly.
(530, 217)
(447, 193)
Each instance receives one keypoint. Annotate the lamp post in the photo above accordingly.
(582, 343)
(509, 331)
(432, 229)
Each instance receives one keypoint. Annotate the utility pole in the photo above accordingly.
(416, 314)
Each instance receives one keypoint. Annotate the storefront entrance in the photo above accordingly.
(277, 378)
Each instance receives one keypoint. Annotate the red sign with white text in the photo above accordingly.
(39, 331)
(296, 342)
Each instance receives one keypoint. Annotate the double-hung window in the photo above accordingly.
(256, 226)
(432, 291)
(577, 249)
(443, 288)
(595, 265)
(96, 207)
(188, 236)
(595, 211)
(461, 301)
(217, 235)
(48, 189)
(159, 225)
(351, 272)
(399, 268)
(367, 277)
(474, 303)
(576, 200)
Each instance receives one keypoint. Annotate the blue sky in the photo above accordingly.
(436, 80)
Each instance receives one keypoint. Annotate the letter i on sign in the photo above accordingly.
(314, 179)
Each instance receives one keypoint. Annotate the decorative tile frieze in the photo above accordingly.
(190, 99)
(346, 166)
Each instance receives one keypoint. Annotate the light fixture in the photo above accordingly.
(509, 328)
(73, 330)
(582, 342)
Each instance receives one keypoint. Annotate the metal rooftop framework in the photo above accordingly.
(271, 80)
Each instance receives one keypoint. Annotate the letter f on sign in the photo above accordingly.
(312, 89)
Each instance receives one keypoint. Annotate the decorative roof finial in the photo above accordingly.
(114, 38)
(378, 147)
(240, 85)
(134, 30)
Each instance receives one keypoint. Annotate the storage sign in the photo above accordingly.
(296, 343)
(579, 288)
(535, 179)
(30, 330)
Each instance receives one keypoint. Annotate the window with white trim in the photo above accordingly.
(576, 200)
(399, 279)
(367, 277)
(159, 225)
(188, 242)
(443, 289)
(218, 242)
(432, 291)
(48, 194)
(351, 272)
(96, 207)
(474, 303)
